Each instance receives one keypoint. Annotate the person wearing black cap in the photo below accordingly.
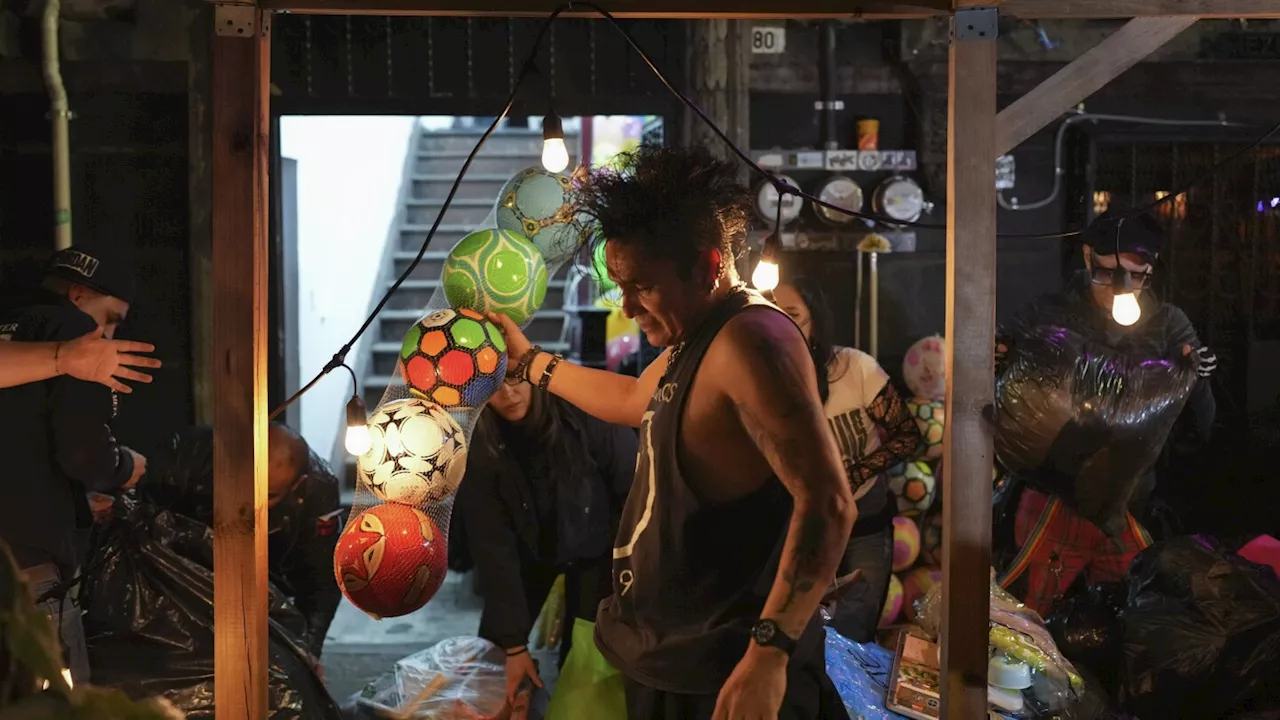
(56, 437)
(1119, 253)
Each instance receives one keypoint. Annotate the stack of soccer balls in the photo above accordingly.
(391, 559)
(917, 531)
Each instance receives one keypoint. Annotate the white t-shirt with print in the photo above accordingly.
(854, 381)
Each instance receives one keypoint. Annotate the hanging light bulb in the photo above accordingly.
(1124, 302)
(555, 156)
(765, 276)
(357, 440)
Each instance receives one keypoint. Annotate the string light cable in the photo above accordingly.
(529, 67)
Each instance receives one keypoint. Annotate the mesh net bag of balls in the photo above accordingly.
(392, 556)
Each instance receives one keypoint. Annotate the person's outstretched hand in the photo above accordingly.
(519, 669)
(94, 358)
(517, 343)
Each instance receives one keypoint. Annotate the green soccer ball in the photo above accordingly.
(535, 204)
(496, 271)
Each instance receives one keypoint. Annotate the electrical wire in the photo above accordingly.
(781, 187)
(339, 358)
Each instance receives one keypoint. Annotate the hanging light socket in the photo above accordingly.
(555, 156)
(357, 439)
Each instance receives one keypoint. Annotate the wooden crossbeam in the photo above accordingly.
(649, 9)
(967, 453)
(793, 9)
(1124, 9)
(1084, 76)
(240, 81)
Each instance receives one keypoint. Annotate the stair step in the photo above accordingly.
(485, 164)
(501, 142)
(470, 213)
(484, 186)
(416, 292)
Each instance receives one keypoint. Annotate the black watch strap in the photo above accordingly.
(767, 634)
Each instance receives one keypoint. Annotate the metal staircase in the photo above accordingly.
(437, 157)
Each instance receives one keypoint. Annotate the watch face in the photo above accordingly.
(764, 631)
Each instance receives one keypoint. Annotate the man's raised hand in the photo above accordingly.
(94, 358)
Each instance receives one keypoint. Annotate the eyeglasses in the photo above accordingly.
(1103, 276)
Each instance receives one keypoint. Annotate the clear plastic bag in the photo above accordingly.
(462, 678)
(1084, 422)
(1018, 632)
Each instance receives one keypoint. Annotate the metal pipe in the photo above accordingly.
(874, 310)
(59, 116)
(1080, 116)
(857, 307)
(827, 81)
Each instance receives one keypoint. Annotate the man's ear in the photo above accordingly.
(712, 265)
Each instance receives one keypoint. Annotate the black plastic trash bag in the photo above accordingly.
(1201, 634)
(1086, 627)
(149, 620)
(1084, 422)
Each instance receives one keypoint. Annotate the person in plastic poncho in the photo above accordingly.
(1056, 545)
(303, 518)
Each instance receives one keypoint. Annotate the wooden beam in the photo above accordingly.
(241, 78)
(1084, 76)
(649, 9)
(1125, 9)
(795, 9)
(967, 453)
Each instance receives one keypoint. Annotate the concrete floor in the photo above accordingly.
(358, 649)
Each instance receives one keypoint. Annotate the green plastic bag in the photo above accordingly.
(589, 688)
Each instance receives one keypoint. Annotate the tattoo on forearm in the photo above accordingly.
(807, 557)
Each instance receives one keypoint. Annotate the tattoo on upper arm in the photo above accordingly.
(780, 440)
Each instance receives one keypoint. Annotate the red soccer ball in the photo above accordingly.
(390, 561)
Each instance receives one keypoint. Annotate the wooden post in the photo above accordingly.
(241, 79)
(967, 447)
(719, 61)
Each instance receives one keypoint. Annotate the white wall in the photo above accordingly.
(349, 176)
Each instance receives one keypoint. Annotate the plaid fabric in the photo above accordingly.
(1057, 545)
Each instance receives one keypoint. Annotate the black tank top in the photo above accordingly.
(689, 577)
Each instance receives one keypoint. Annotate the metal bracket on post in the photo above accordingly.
(975, 23)
(233, 20)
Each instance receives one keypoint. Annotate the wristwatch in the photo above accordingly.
(767, 634)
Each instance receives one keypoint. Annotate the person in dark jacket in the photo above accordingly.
(1056, 545)
(56, 436)
(543, 492)
(304, 518)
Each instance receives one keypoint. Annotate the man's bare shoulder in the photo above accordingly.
(759, 329)
(756, 344)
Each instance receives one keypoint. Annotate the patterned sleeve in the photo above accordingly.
(901, 437)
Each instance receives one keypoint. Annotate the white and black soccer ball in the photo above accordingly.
(417, 454)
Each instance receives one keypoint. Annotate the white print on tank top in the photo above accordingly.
(855, 381)
(645, 466)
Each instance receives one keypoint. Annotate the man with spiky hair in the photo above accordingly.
(740, 507)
